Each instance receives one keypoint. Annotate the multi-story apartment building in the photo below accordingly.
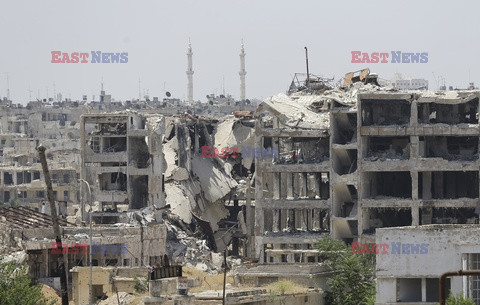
(351, 165)
(122, 160)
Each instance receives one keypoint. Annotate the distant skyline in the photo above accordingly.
(156, 34)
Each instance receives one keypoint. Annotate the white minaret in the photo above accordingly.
(190, 73)
(242, 73)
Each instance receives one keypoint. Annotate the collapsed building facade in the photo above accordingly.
(122, 162)
(357, 159)
(379, 158)
(346, 162)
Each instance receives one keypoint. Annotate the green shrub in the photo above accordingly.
(140, 286)
(353, 282)
(459, 300)
(16, 287)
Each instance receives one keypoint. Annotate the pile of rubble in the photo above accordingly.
(10, 246)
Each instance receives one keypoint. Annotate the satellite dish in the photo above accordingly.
(168, 94)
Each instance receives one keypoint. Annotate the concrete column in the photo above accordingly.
(414, 176)
(413, 113)
(188, 163)
(363, 220)
(304, 224)
(415, 216)
(276, 185)
(291, 219)
(249, 209)
(298, 218)
(318, 179)
(414, 147)
(427, 185)
(283, 219)
(197, 139)
(303, 185)
(424, 289)
(276, 220)
(464, 278)
(259, 212)
(316, 219)
(289, 185)
(45, 262)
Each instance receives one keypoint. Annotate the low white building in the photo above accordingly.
(411, 84)
(416, 258)
(401, 83)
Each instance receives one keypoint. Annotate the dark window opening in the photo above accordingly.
(7, 178)
(139, 155)
(388, 217)
(431, 113)
(299, 150)
(448, 216)
(449, 148)
(139, 191)
(114, 144)
(388, 148)
(113, 182)
(66, 178)
(383, 113)
(409, 290)
(345, 161)
(345, 128)
(388, 184)
(447, 185)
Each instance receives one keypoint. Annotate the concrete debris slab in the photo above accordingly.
(215, 182)
(292, 114)
(180, 174)
(180, 203)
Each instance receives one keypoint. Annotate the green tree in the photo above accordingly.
(16, 287)
(353, 281)
(459, 300)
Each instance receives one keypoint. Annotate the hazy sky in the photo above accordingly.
(155, 34)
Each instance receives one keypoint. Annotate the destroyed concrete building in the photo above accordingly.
(323, 161)
(21, 178)
(122, 161)
(203, 187)
(123, 245)
(351, 161)
(417, 159)
(292, 205)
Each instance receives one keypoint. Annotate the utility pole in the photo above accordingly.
(225, 269)
(90, 238)
(56, 228)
